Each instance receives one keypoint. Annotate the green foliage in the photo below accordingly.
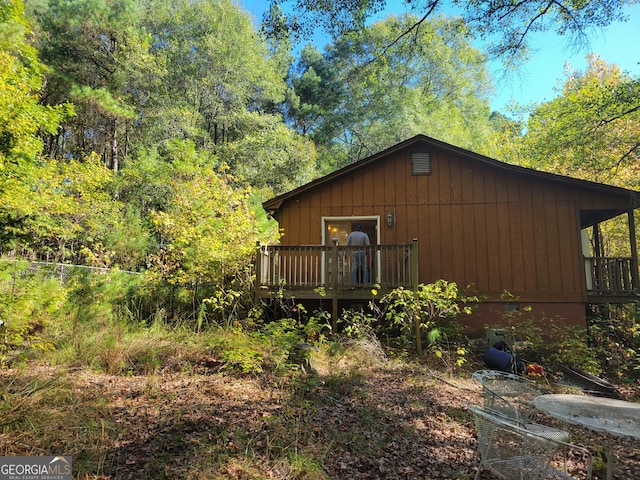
(269, 347)
(358, 325)
(142, 73)
(87, 319)
(587, 131)
(100, 298)
(29, 303)
(614, 338)
(22, 118)
(68, 214)
(354, 103)
(238, 350)
(447, 342)
(90, 320)
(426, 308)
(267, 227)
(316, 327)
(207, 216)
(216, 69)
(126, 244)
(271, 158)
(103, 99)
(608, 346)
(170, 211)
(105, 77)
(281, 337)
(304, 466)
(95, 320)
(222, 304)
(188, 98)
(567, 344)
(143, 184)
(318, 91)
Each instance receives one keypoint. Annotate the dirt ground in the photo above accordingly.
(381, 422)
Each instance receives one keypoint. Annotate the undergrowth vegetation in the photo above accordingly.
(144, 379)
(608, 346)
(113, 322)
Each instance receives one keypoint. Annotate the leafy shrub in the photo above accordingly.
(29, 301)
(615, 341)
(356, 324)
(429, 307)
(567, 344)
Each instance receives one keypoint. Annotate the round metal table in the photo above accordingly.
(616, 417)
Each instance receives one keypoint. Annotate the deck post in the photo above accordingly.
(334, 286)
(414, 265)
(414, 287)
(599, 273)
(258, 271)
(634, 250)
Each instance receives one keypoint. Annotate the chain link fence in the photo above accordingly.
(63, 271)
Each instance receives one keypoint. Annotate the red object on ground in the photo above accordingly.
(534, 369)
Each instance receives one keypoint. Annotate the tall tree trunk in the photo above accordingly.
(114, 147)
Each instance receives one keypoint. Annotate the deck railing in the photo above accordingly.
(611, 275)
(336, 267)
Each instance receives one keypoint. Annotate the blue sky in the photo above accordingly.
(544, 72)
(539, 78)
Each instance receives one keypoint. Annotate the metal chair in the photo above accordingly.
(512, 396)
(514, 453)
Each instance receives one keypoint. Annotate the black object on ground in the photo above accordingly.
(589, 383)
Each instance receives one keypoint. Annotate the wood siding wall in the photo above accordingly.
(475, 224)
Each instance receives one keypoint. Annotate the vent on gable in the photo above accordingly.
(420, 164)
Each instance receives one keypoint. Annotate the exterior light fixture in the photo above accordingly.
(390, 219)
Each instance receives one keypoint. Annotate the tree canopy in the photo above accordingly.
(589, 131)
(22, 117)
(506, 25)
(353, 104)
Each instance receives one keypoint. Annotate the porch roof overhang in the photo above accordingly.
(587, 218)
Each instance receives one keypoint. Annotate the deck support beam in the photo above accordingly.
(414, 285)
(334, 287)
(634, 250)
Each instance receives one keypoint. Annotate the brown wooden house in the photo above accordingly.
(435, 211)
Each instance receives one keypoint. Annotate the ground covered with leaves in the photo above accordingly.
(381, 419)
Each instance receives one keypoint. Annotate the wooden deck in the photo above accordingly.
(328, 272)
(319, 271)
(611, 280)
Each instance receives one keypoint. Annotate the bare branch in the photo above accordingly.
(414, 27)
